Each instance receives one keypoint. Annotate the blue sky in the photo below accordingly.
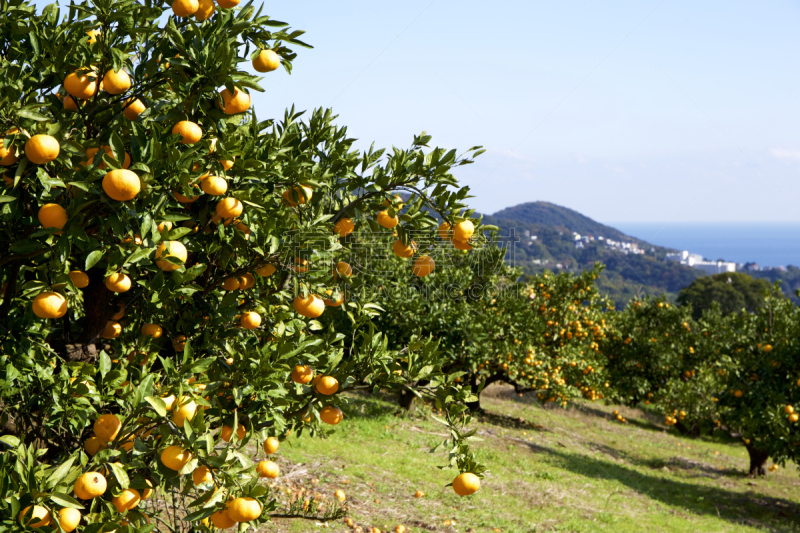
(622, 110)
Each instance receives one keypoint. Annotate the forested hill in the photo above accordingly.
(547, 214)
(543, 236)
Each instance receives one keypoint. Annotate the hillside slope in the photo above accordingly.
(550, 470)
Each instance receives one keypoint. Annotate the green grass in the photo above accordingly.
(578, 470)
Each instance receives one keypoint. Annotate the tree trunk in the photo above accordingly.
(97, 305)
(406, 400)
(475, 406)
(758, 458)
(693, 431)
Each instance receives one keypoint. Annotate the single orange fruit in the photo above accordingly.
(265, 271)
(271, 445)
(266, 61)
(52, 216)
(302, 374)
(229, 208)
(81, 85)
(175, 457)
(116, 82)
(344, 227)
(205, 10)
(386, 221)
(246, 281)
(35, 517)
(49, 305)
(107, 427)
(112, 330)
(238, 102)
(250, 320)
(221, 519)
(227, 432)
(41, 149)
(463, 230)
(404, 251)
(327, 385)
(90, 485)
(297, 195)
(133, 108)
(202, 475)
(331, 415)
(184, 8)
(311, 306)
(244, 509)
(189, 131)
(466, 484)
(174, 249)
(214, 185)
(69, 519)
(268, 469)
(127, 499)
(423, 266)
(122, 184)
(118, 282)
(152, 330)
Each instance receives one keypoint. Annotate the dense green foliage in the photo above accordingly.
(194, 309)
(732, 291)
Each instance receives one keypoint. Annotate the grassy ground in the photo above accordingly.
(557, 470)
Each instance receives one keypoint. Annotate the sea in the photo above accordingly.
(766, 243)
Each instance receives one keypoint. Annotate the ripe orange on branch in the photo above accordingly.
(50, 305)
(268, 469)
(236, 102)
(173, 249)
(81, 85)
(52, 216)
(116, 82)
(302, 374)
(311, 306)
(466, 484)
(266, 61)
(90, 485)
(41, 149)
(189, 131)
(122, 184)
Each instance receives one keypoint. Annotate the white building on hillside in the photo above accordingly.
(697, 261)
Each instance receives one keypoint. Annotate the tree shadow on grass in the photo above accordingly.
(692, 467)
(752, 509)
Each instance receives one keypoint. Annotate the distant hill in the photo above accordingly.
(543, 236)
(547, 214)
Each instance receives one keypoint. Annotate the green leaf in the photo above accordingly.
(5, 199)
(120, 474)
(138, 255)
(157, 404)
(105, 364)
(93, 258)
(60, 472)
(177, 233)
(25, 113)
(64, 500)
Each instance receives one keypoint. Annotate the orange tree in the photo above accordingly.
(539, 335)
(167, 258)
(546, 337)
(653, 345)
(760, 396)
